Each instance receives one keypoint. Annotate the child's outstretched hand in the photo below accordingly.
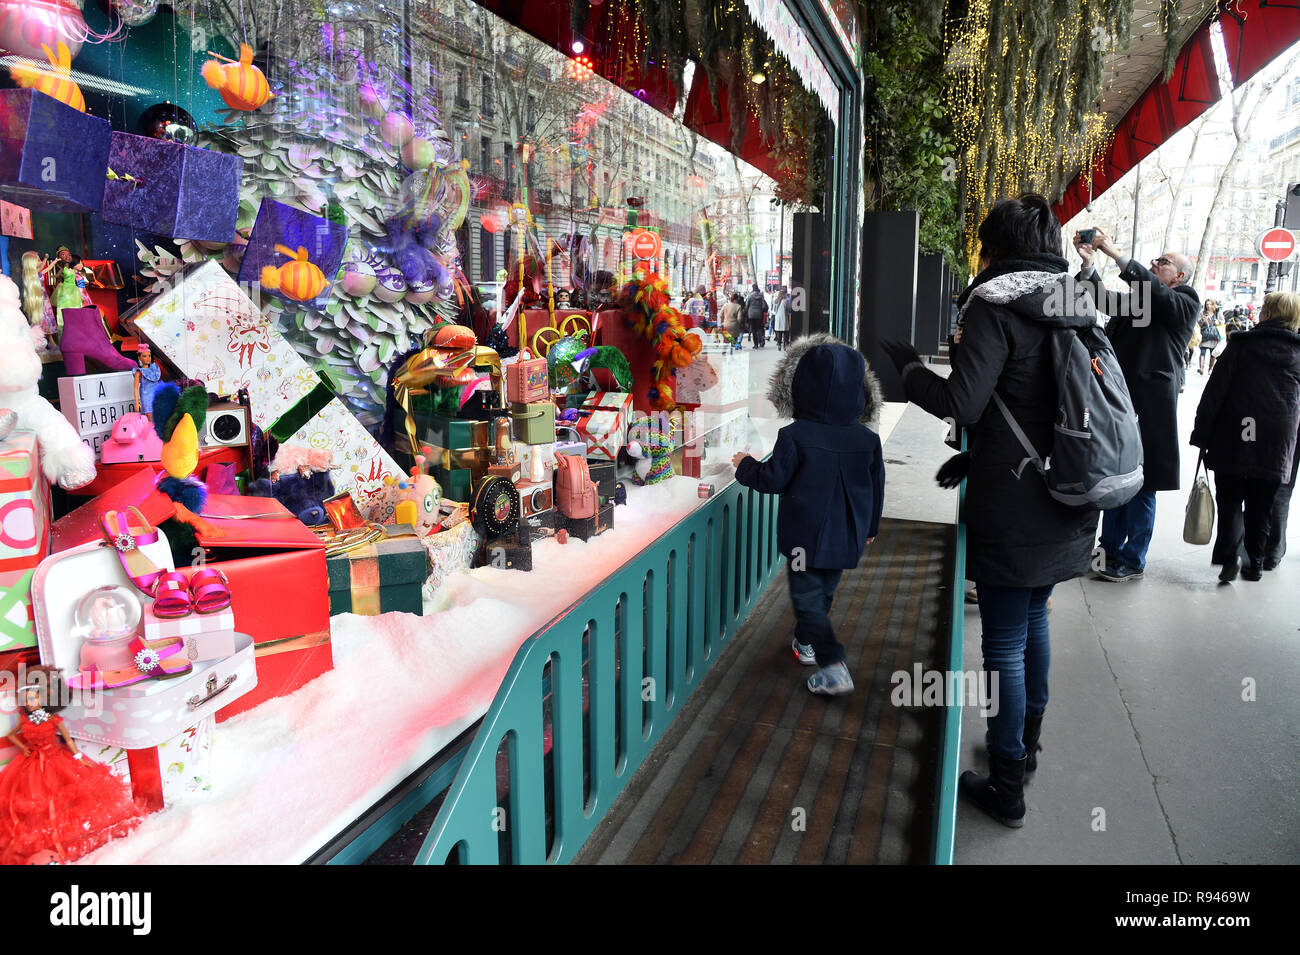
(738, 457)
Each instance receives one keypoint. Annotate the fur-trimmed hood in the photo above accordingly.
(780, 389)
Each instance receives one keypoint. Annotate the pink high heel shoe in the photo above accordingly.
(118, 533)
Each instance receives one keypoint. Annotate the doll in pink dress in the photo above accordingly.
(55, 804)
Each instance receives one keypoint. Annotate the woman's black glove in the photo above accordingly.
(901, 353)
(954, 470)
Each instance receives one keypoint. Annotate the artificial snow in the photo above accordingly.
(292, 773)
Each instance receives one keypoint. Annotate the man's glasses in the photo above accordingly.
(1161, 261)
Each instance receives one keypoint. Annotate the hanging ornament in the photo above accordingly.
(53, 81)
(298, 279)
(396, 129)
(372, 100)
(240, 83)
(167, 121)
(28, 25)
(135, 13)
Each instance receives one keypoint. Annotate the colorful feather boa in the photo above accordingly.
(645, 302)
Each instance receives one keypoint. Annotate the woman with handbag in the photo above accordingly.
(1248, 424)
(1208, 326)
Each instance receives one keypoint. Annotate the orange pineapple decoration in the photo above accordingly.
(240, 83)
(55, 81)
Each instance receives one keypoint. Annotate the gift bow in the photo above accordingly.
(440, 365)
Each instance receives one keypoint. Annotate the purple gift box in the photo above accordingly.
(183, 192)
(52, 157)
(278, 224)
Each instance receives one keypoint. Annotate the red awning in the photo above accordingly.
(548, 21)
(1254, 33)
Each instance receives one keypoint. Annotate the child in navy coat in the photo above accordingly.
(828, 468)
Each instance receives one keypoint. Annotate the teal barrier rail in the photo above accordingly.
(945, 817)
(632, 651)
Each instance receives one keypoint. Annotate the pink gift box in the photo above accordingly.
(208, 636)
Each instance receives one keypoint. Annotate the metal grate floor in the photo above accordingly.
(758, 770)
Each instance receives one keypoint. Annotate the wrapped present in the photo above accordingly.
(381, 576)
(280, 226)
(534, 423)
(207, 636)
(176, 769)
(53, 158)
(450, 551)
(455, 483)
(24, 537)
(585, 528)
(182, 191)
(446, 432)
(603, 423)
(731, 390)
(93, 403)
(205, 326)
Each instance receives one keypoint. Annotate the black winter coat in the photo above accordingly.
(827, 467)
(1150, 349)
(1248, 420)
(1017, 534)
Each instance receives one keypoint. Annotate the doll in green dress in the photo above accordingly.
(69, 279)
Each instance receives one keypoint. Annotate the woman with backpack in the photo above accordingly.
(1021, 542)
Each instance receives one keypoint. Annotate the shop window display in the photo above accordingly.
(343, 231)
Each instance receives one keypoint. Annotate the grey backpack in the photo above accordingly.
(1096, 455)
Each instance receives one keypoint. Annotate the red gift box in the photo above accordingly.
(280, 592)
(276, 568)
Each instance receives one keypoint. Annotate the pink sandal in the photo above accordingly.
(172, 597)
(210, 591)
(159, 659)
(118, 533)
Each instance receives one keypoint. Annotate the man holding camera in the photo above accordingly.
(1149, 327)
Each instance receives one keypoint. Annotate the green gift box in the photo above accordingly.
(445, 431)
(534, 423)
(455, 482)
(381, 577)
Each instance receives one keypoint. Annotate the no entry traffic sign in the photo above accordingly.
(1277, 245)
(645, 244)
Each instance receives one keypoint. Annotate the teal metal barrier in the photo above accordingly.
(945, 816)
(634, 650)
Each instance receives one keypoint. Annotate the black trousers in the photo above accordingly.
(1240, 531)
(756, 329)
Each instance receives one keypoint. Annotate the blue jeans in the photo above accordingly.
(811, 593)
(1126, 531)
(1016, 648)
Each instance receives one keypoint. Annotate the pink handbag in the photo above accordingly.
(527, 380)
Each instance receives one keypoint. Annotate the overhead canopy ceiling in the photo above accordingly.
(1254, 32)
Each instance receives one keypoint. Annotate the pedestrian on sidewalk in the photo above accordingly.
(756, 314)
(1149, 327)
(1248, 424)
(1021, 542)
(1208, 325)
(781, 318)
(732, 319)
(828, 468)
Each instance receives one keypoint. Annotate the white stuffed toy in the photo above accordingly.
(64, 459)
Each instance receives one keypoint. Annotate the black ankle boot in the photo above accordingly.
(1252, 570)
(1033, 729)
(1001, 794)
